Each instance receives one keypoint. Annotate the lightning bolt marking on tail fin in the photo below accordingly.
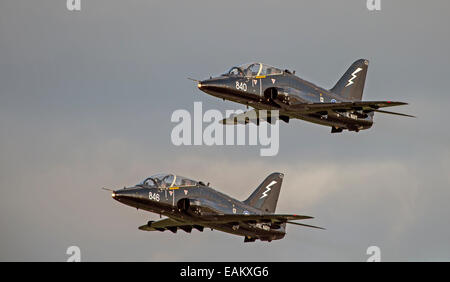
(265, 193)
(350, 81)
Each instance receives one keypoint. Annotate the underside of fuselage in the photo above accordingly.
(251, 231)
(337, 121)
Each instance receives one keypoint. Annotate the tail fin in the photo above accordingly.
(351, 84)
(265, 197)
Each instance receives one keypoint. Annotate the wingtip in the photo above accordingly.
(145, 228)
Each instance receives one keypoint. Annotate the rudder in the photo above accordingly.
(351, 84)
(265, 197)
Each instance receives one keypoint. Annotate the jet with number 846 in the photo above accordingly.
(190, 204)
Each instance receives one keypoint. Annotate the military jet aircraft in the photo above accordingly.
(191, 204)
(264, 87)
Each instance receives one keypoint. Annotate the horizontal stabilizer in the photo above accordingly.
(393, 113)
(307, 225)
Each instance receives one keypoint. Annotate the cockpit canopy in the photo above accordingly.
(164, 180)
(253, 69)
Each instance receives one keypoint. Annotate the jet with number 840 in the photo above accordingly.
(264, 87)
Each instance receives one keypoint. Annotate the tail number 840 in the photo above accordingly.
(153, 196)
(241, 86)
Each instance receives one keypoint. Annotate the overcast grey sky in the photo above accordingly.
(86, 99)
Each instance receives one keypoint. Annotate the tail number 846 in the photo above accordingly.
(153, 196)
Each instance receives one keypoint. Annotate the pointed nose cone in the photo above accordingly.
(213, 82)
(123, 193)
(204, 84)
(116, 194)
